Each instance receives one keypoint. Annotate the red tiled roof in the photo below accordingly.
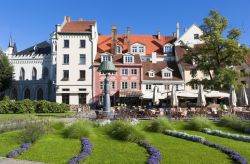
(77, 26)
(157, 67)
(152, 43)
(117, 59)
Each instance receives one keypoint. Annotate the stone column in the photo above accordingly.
(107, 96)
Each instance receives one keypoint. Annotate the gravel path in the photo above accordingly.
(4, 160)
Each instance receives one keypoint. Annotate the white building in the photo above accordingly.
(33, 72)
(74, 44)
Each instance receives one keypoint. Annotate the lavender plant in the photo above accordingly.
(24, 147)
(155, 155)
(85, 151)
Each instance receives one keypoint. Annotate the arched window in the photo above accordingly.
(27, 93)
(13, 94)
(34, 74)
(39, 95)
(22, 74)
(45, 73)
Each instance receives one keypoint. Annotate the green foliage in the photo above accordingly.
(24, 106)
(5, 107)
(158, 125)
(121, 130)
(6, 73)
(235, 123)
(199, 123)
(33, 131)
(218, 55)
(57, 125)
(78, 130)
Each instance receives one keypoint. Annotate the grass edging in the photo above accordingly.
(194, 138)
(23, 147)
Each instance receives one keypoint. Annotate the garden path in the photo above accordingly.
(4, 160)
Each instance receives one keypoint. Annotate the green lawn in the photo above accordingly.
(56, 115)
(54, 148)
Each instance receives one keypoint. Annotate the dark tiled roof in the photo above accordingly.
(157, 67)
(77, 26)
(180, 52)
(117, 59)
(152, 43)
(42, 48)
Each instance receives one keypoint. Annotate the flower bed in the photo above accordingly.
(24, 147)
(85, 151)
(155, 155)
(227, 135)
(234, 155)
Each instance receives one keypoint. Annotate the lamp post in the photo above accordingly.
(106, 67)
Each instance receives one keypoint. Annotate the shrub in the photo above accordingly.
(158, 125)
(78, 130)
(42, 106)
(33, 131)
(24, 106)
(57, 125)
(235, 123)
(124, 131)
(199, 123)
(5, 107)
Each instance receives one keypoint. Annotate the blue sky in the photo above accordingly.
(32, 21)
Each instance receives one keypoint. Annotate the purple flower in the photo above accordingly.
(154, 153)
(23, 147)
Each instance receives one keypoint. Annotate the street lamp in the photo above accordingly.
(106, 67)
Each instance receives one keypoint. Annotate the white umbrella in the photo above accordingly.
(174, 99)
(232, 97)
(201, 100)
(243, 97)
(156, 95)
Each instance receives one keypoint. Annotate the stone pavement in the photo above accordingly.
(4, 160)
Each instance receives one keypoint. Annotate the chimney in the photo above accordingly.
(174, 34)
(66, 18)
(159, 35)
(154, 57)
(113, 43)
(128, 38)
(177, 30)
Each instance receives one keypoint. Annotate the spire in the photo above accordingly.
(10, 42)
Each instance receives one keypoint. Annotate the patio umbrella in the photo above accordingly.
(201, 100)
(174, 99)
(232, 97)
(243, 97)
(156, 95)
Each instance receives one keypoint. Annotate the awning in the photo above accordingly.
(130, 94)
(216, 94)
(186, 94)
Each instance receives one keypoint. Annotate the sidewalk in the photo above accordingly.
(4, 160)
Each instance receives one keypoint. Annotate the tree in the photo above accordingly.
(6, 73)
(219, 55)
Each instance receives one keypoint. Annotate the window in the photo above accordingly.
(133, 71)
(65, 89)
(129, 59)
(118, 49)
(82, 43)
(45, 73)
(148, 86)
(167, 74)
(125, 71)
(124, 85)
(194, 86)
(196, 36)
(82, 98)
(101, 99)
(133, 85)
(177, 87)
(151, 74)
(34, 74)
(82, 89)
(65, 75)
(134, 49)
(82, 59)
(167, 87)
(65, 98)
(168, 49)
(27, 93)
(14, 94)
(106, 58)
(66, 59)
(66, 43)
(101, 84)
(113, 84)
(141, 49)
(82, 75)
(22, 74)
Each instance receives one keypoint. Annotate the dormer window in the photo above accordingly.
(106, 58)
(151, 73)
(134, 49)
(128, 58)
(118, 49)
(138, 48)
(141, 49)
(168, 49)
(167, 73)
